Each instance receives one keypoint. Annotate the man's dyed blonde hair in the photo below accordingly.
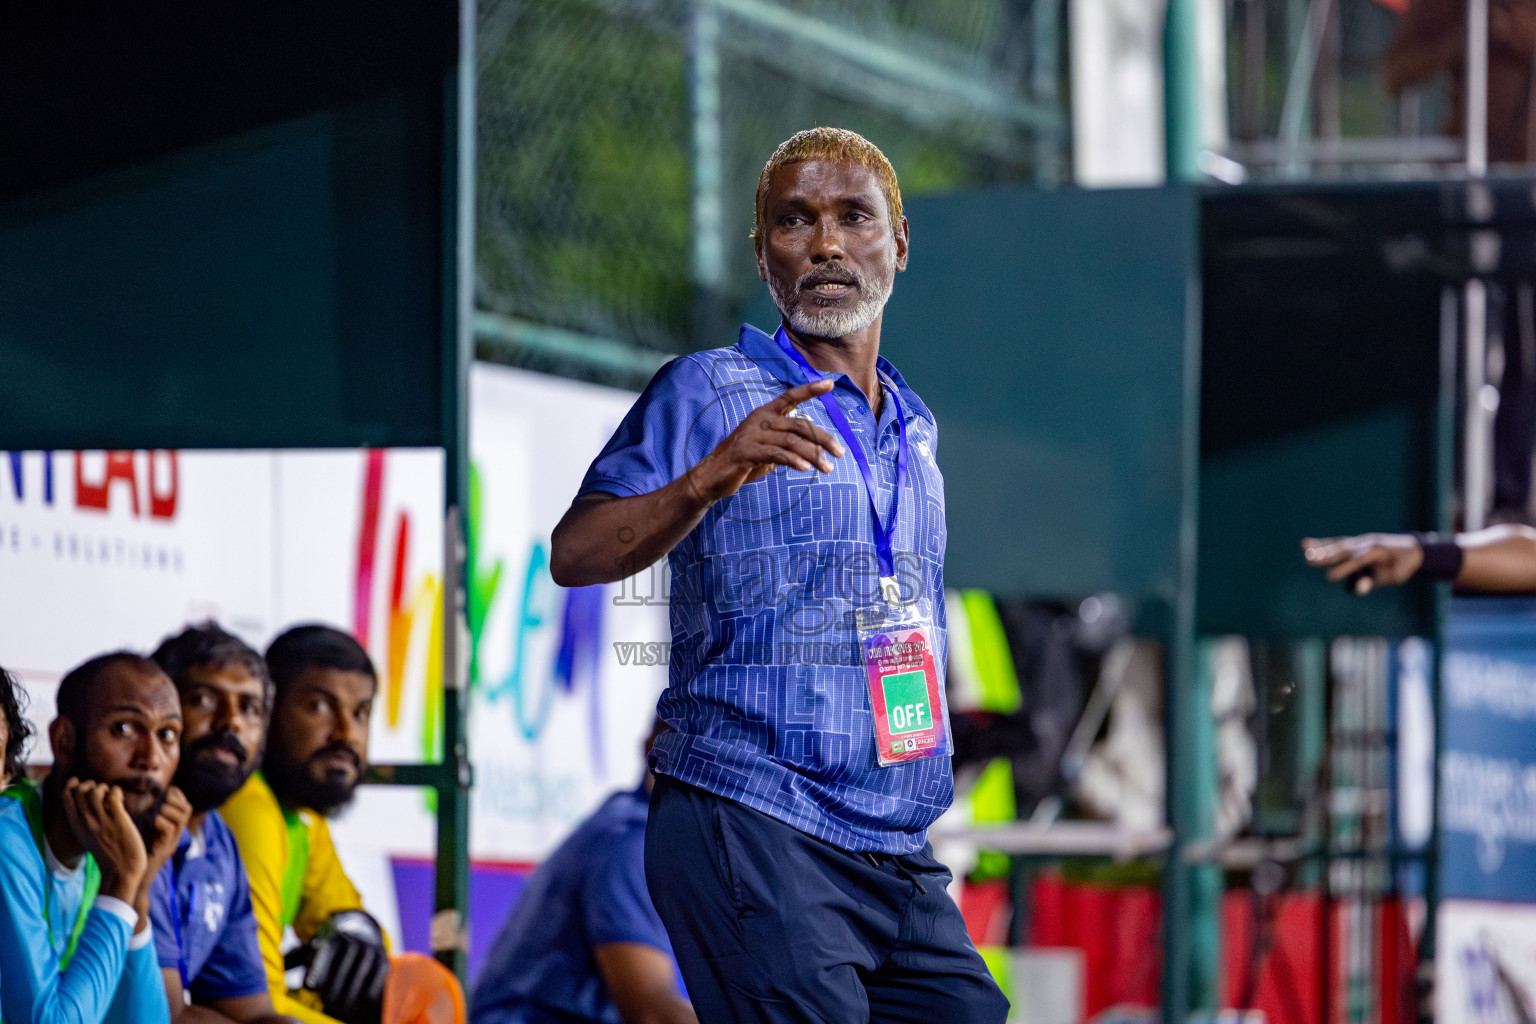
(833, 144)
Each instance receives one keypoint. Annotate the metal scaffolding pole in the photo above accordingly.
(454, 775)
(708, 220)
(1481, 398)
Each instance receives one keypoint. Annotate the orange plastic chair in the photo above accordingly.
(421, 991)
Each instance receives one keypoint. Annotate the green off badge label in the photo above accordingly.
(906, 702)
(904, 694)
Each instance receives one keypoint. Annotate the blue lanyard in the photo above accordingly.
(883, 533)
(176, 921)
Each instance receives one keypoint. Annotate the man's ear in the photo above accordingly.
(61, 738)
(903, 238)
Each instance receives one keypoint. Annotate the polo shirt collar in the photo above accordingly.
(765, 352)
(190, 846)
(57, 868)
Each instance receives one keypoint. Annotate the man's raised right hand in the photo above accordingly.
(767, 438)
(104, 827)
(604, 537)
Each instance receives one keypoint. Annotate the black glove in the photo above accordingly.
(346, 966)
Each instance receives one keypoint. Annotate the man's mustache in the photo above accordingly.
(339, 748)
(131, 785)
(141, 785)
(830, 274)
(219, 741)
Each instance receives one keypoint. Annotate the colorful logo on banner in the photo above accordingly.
(406, 607)
(527, 690)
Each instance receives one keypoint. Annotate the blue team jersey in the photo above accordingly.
(768, 698)
(200, 906)
(110, 978)
(590, 892)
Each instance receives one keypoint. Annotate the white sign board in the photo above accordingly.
(100, 551)
(1485, 963)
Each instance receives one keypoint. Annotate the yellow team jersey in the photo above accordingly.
(261, 831)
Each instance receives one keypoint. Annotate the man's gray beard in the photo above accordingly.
(826, 322)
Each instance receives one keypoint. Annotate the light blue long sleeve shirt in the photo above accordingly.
(106, 982)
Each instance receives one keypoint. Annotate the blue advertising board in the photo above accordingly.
(1488, 752)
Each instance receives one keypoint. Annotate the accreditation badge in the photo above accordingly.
(905, 693)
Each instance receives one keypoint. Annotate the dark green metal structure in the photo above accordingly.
(1159, 392)
(247, 225)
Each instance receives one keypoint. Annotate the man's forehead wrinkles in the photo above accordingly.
(800, 194)
(221, 675)
(336, 688)
(222, 685)
(128, 709)
(149, 709)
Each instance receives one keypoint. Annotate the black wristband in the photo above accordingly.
(1442, 557)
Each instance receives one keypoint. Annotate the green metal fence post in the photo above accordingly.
(454, 777)
(1445, 522)
(1182, 703)
(1045, 89)
(707, 220)
(1181, 90)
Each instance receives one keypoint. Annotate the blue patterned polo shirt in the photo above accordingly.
(768, 698)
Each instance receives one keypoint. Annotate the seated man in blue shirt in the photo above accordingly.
(77, 859)
(205, 929)
(584, 942)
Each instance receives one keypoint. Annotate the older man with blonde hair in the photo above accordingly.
(790, 482)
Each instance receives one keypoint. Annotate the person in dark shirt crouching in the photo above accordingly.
(584, 942)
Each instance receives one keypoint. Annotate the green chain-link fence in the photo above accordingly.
(588, 114)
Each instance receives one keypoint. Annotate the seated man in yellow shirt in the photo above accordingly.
(317, 750)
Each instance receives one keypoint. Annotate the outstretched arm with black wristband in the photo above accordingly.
(1497, 560)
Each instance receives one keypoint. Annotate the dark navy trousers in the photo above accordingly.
(772, 925)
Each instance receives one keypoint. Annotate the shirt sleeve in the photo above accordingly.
(616, 905)
(262, 836)
(327, 889)
(140, 995)
(673, 424)
(34, 991)
(234, 967)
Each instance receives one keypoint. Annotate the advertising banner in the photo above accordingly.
(108, 550)
(1488, 756)
(1486, 967)
(105, 550)
(556, 717)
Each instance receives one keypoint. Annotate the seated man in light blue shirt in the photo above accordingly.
(77, 859)
(14, 732)
(584, 943)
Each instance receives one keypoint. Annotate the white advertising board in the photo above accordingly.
(556, 721)
(106, 550)
(1485, 967)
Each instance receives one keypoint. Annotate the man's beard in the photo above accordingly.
(144, 820)
(827, 321)
(293, 784)
(206, 781)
